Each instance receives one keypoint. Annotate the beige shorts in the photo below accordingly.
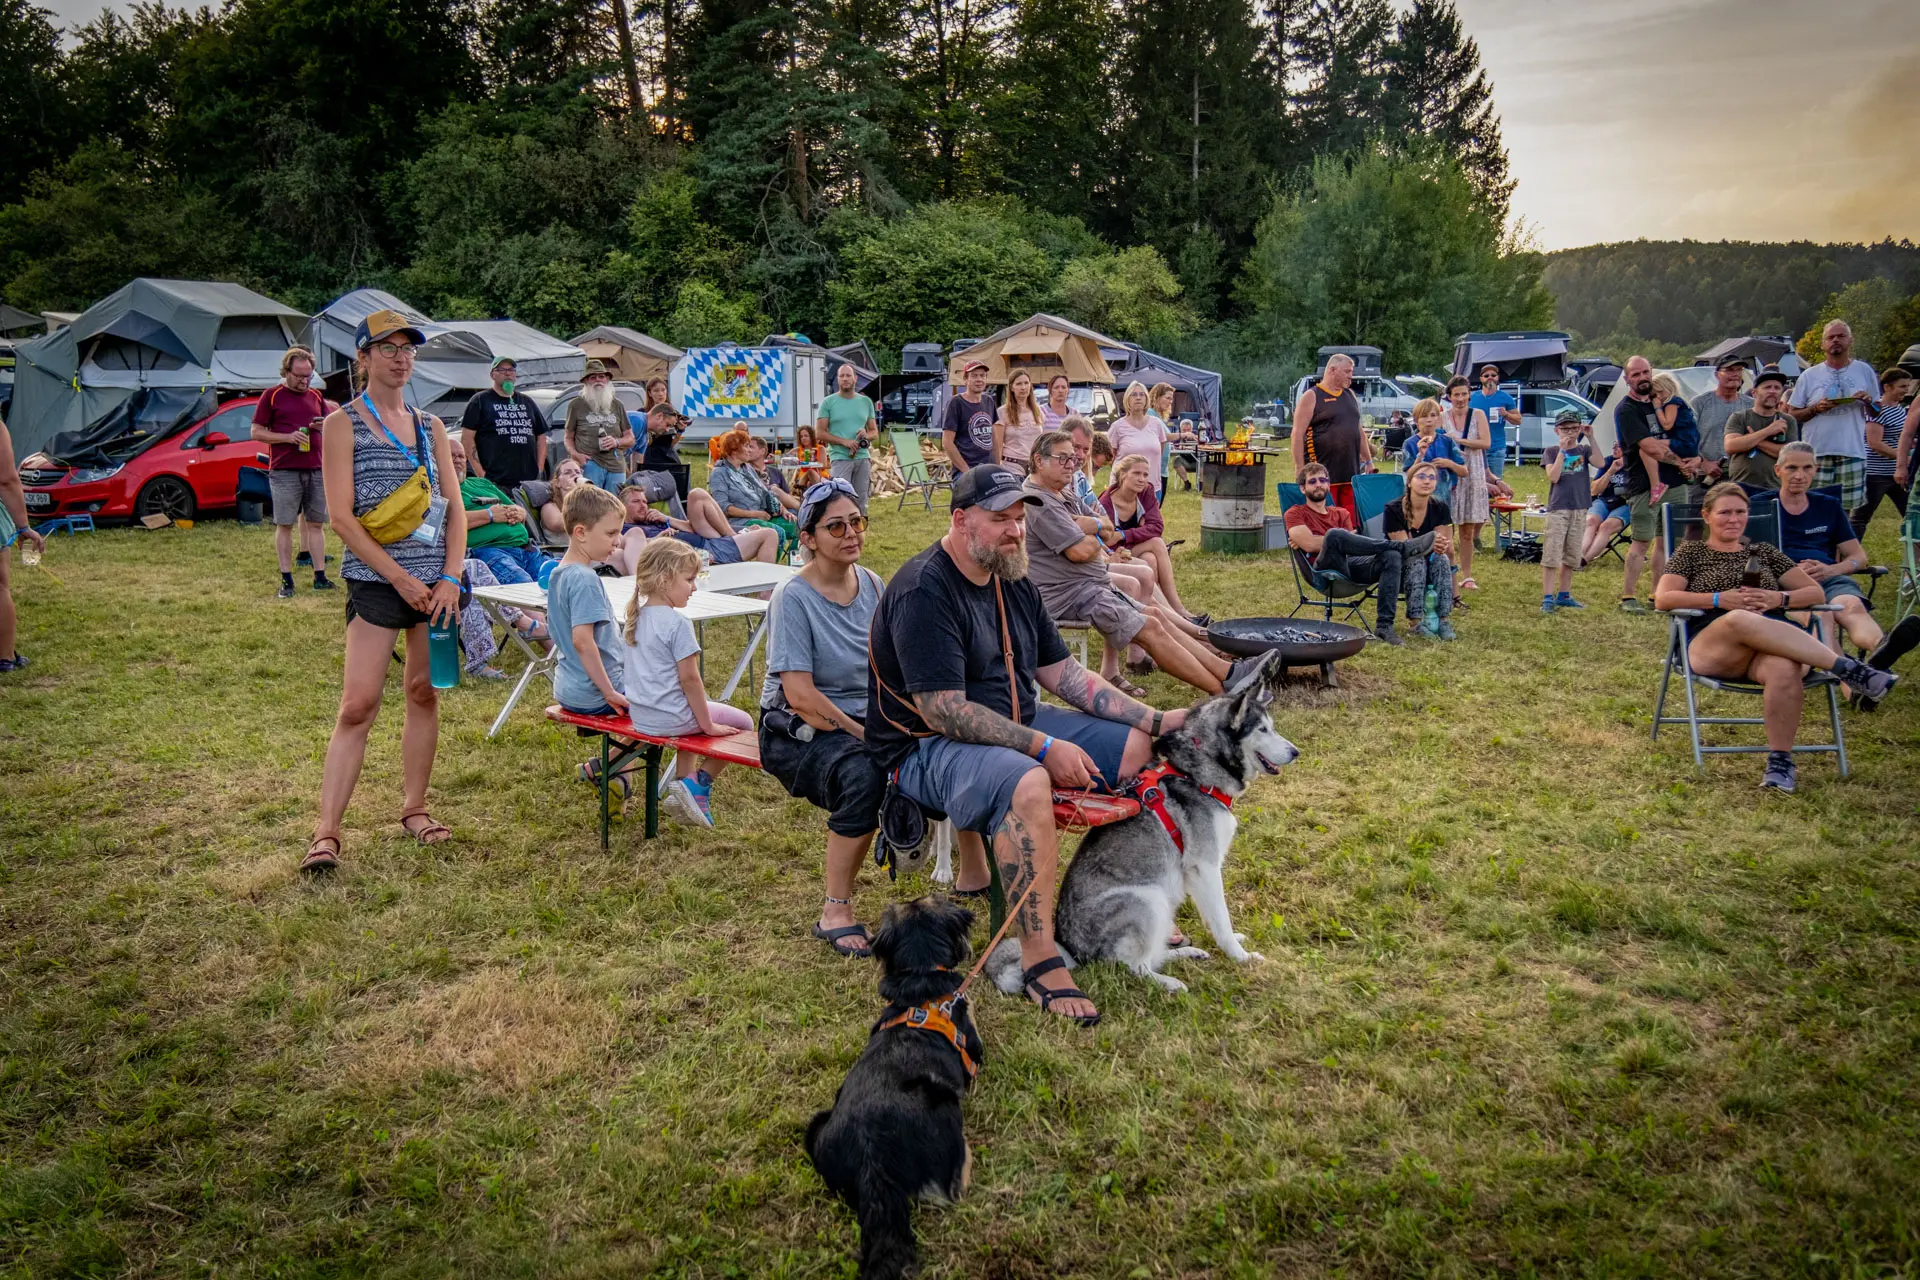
(1566, 535)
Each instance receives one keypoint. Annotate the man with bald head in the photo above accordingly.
(1830, 402)
(1326, 430)
(1654, 477)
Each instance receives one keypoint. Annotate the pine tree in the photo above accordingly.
(1049, 131)
(1338, 56)
(1437, 89)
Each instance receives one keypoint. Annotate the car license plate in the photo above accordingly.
(39, 499)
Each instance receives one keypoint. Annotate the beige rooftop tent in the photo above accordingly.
(1041, 345)
(633, 355)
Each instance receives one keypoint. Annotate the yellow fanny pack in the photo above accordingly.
(400, 512)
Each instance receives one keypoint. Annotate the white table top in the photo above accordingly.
(746, 577)
(704, 607)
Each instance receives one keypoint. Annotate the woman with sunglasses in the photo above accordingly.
(816, 690)
(371, 449)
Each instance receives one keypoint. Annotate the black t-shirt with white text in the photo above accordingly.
(971, 422)
(937, 630)
(1634, 420)
(500, 431)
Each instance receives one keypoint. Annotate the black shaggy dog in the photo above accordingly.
(894, 1132)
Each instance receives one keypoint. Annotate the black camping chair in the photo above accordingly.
(1681, 522)
(1342, 594)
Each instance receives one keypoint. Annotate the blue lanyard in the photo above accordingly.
(425, 455)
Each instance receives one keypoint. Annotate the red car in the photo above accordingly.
(179, 475)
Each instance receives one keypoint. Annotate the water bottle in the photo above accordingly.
(443, 653)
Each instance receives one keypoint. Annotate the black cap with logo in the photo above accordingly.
(991, 486)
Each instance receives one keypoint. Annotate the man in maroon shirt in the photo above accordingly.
(287, 419)
(1325, 534)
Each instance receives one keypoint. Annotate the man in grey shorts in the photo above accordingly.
(958, 642)
(287, 420)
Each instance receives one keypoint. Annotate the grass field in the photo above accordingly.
(1538, 999)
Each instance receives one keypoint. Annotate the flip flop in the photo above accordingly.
(832, 938)
(320, 859)
(434, 832)
(1044, 996)
(984, 891)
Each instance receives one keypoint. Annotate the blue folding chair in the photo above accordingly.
(1371, 494)
(1682, 522)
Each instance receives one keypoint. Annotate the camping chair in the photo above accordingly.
(1371, 494)
(532, 496)
(1341, 593)
(915, 470)
(1681, 521)
(1908, 600)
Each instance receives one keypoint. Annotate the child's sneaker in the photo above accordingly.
(1547, 604)
(690, 800)
(1565, 600)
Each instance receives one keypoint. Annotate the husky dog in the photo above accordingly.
(894, 1132)
(1123, 886)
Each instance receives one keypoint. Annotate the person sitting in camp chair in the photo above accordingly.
(1744, 591)
(1325, 533)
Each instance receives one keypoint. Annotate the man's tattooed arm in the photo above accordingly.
(949, 714)
(1080, 688)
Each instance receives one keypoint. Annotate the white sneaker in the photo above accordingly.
(679, 803)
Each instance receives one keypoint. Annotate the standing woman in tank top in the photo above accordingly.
(370, 447)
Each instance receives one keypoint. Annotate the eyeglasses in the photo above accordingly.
(397, 350)
(838, 526)
(1064, 459)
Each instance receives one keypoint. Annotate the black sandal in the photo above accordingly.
(984, 891)
(832, 938)
(1029, 979)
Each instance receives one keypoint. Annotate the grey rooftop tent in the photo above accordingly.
(632, 356)
(149, 333)
(1755, 351)
(455, 362)
(1536, 357)
(15, 323)
(329, 334)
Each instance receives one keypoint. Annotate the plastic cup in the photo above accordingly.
(29, 552)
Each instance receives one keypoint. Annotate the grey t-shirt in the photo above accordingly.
(661, 638)
(1050, 531)
(1712, 413)
(826, 640)
(1573, 491)
(1754, 467)
(575, 596)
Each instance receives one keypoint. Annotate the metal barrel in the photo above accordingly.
(1233, 502)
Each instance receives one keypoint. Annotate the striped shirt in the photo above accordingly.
(378, 469)
(1892, 419)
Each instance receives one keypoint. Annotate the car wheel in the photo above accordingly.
(166, 496)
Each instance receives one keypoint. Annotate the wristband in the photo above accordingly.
(1716, 599)
(1158, 716)
(1046, 741)
(446, 577)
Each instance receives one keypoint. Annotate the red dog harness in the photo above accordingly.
(1148, 791)
(936, 1016)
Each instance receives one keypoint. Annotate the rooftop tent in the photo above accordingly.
(1141, 363)
(1366, 360)
(202, 335)
(330, 333)
(131, 427)
(15, 323)
(854, 353)
(632, 355)
(1042, 345)
(1536, 358)
(455, 362)
(1754, 351)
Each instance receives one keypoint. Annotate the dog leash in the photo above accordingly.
(985, 955)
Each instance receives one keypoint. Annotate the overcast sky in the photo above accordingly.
(1708, 119)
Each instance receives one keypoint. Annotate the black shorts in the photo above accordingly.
(380, 604)
(833, 772)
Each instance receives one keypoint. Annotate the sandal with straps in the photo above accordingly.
(435, 832)
(1045, 996)
(832, 938)
(319, 858)
(1128, 687)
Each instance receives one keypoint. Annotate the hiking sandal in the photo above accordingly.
(1127, 687)
(832, 938)
(319, 858)
(1045, 996)
(434, 832)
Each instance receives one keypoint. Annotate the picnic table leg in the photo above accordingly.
(536, 663)
(756, 632)
(653, 790)
(606, 786)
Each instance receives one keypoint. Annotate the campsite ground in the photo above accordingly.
(1537, 997)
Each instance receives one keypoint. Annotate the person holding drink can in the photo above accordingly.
(288, 419)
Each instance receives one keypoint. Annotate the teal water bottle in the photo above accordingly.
(443, 654)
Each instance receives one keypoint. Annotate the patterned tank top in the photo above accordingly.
(378, 469)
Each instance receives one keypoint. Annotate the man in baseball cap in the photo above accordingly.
(970, 431)
(1753, 436)
(957, 646)
(1502, 412)
(505, 431)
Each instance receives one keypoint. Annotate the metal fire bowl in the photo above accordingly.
(1301, 643)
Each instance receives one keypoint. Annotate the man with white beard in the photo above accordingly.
(598, 433)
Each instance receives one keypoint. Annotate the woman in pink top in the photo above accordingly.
(1130, 502)
(1139, 431)
(1058, 410)
(1021, 421)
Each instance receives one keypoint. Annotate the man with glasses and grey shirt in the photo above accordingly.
(1711, 409)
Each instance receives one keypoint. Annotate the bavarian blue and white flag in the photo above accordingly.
(734, 382)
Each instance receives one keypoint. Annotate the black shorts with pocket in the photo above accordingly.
(834, 772)
(380, 604)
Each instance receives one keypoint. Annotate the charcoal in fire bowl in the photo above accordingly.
(1301, 643)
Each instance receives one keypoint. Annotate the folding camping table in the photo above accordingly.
(723, 599)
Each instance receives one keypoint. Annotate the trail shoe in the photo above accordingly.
(1781, 774)
(285, 592)
(1633, 604)
(1242, 670)
(1867, 681)
(1547, 605)
(1385, 632)
(691, 799)
(18, 662)
(321, 582)
(1565, 600)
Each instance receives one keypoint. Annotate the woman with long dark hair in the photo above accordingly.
(402, 569)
